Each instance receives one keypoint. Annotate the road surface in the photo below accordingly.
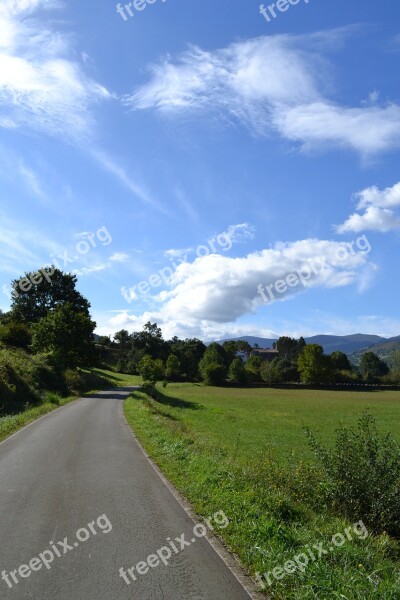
(76, 486)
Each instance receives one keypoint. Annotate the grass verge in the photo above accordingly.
(274, 507)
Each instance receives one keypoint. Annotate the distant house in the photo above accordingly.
(265, 353)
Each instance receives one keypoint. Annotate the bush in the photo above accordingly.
(363, 475)
(14, 334)
(213, 373)
(237, 371)
(22, 379)
(81, 381)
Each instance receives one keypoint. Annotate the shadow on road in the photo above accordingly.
(114, 394)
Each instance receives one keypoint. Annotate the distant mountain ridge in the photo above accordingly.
(382, 349)
(350, 344)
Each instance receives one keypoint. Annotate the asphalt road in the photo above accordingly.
(79, 474)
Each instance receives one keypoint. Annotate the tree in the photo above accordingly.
(253, 367)
(151, 370)
(237, 371)
(173, 368)
(231, 349)
(189, 352)
(67, 335)
(340, 361)
(372, 366)
(395, 366)
(50, 292)
(314, 366)
(213, 366)
(290, 348)
(151, 341)
(122, 338)
(270, 372)
(104, 340)
(14, 334)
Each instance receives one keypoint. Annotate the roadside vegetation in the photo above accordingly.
(283, 488)
(48, 355)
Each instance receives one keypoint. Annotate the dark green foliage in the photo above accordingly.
(189, 353)
(151, 370)
(22, 379)
(173, 368)
(122, 338)
(363, 475)
(67, 335)
(372, 367)
(51, 292)
(271, 372)
(290, 348)
(213, 367)
(340, 362)
(17, 335)
(314, 366)
(237, 371)
(253, 368)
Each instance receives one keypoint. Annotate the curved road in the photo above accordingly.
(78, 479)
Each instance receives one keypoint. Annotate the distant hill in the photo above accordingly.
(330, 343)
(345, 343)
(382, 349)
(252, 340)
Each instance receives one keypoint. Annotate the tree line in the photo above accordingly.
(53, 319)
(234, 362)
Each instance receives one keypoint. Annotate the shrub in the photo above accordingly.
(22, 379)
(213, 373)
(14, 334)
(237, 371)
(363, 475)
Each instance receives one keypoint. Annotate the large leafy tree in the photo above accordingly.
(340, 361)
(189, 352)
(51, 291)
(151, 341)
(122, 338)
(314, 366)
(290, 348)
(67, 335)
(151, 370)
(372, 366)
(213, 367)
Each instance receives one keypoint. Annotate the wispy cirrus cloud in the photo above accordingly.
(41, 87)
(272, 84)
(375, 211)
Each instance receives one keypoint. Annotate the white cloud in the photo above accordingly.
(214, 291)
(377, 211)
(119, 257)
(40, 86)
(219, 242)
(273, 84)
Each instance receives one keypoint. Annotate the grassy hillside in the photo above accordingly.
(232, 450)
(30, 387)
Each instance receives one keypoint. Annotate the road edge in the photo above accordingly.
(231, 561)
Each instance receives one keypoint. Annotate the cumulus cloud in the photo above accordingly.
(375, 211)
(272, 84)
(217, 290)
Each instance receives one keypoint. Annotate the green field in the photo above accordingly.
(244, 451)
(247, 421)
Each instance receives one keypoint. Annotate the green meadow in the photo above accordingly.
(245, 451)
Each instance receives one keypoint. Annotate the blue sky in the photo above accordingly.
(182, 158)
